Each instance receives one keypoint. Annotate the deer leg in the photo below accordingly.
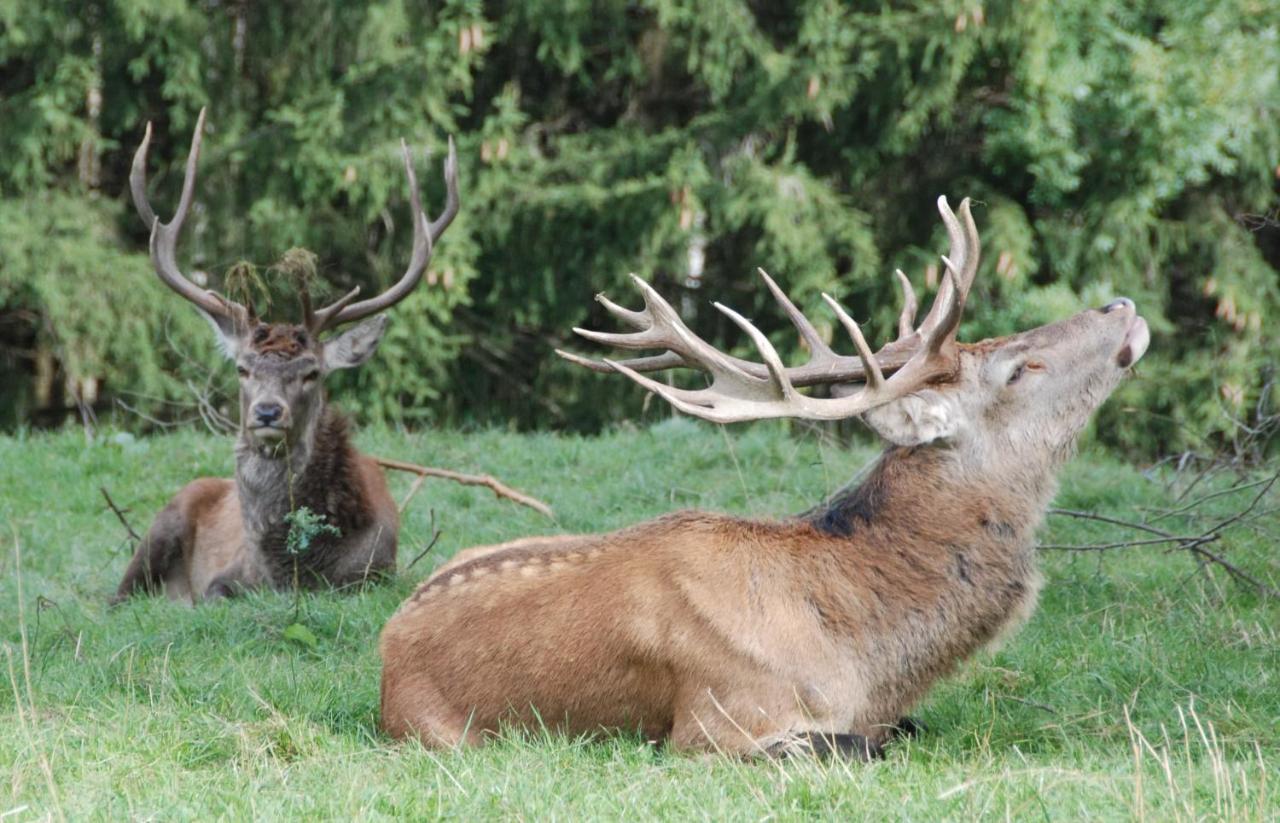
(907, 727)
(227, 584)
(156, 554)
(414, 707)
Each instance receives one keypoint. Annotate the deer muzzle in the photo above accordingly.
(1137, 335)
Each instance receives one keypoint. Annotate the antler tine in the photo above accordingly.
(733, 394)
(451, 199)
(779, 386)
(874, 376)
(425, 234)
(634, 319)
(658, 362)
(962, 263)
(138, 180)
(907, 319)
(950, 309)
(164, 236)
(658, 325)
(818, 348)
(972, 244)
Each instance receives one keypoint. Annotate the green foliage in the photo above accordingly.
(102, 313)
(244, 709)
(1112, 148)
(304, 527)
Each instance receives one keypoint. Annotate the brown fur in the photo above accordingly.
(706, 628)
(207, 542)
(747, 636)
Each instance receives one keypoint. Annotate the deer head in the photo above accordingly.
(281, 366)
(1006, 400)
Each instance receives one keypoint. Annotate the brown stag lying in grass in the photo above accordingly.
(814, 633)
(293, 451)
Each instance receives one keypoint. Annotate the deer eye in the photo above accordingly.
(311, 376)
(1017, 374)
(242, 371)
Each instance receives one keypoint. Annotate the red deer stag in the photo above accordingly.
(293, 451)
(815, 633)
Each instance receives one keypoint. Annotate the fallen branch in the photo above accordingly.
(1120, 544)
(1192, 544)
(493, 484)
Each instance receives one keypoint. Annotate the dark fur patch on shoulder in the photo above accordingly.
(843, 514)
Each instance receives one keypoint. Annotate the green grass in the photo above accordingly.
(1140, 688)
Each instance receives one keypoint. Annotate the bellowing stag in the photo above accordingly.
(813, 633)
(293, 451)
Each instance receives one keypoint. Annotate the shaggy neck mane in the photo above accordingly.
(320, 473)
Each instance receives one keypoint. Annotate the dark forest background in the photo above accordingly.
(1112, 148)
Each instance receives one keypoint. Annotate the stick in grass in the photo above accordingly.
(1192, 544)
(493, 484)
(119, 514)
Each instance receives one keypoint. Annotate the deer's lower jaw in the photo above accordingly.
(267, 435)
(1136, 340)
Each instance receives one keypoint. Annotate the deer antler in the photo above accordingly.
(744, 390)
(425, 235)
(164, 241)
(164, 236)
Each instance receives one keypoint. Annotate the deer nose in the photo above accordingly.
(267, 413)
(1121, 302)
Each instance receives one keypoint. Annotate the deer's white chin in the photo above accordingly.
(267, 434)
(1136, 340)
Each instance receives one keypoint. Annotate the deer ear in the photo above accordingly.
(915, 419)
(355, 345)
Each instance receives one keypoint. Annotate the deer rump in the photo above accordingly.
(809, 634)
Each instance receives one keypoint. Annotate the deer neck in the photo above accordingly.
(937, 495)
(271, 480)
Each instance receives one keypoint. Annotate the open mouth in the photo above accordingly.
(1136, 340)
(268, 433)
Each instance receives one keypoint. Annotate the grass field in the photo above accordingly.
(1141, 688)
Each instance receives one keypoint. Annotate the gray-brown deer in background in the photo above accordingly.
(813, 633)
(293, 451)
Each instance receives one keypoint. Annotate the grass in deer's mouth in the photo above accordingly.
(1140, 686)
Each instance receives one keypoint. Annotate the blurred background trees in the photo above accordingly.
(1112, 148)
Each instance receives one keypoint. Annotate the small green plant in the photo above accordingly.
(304, 527)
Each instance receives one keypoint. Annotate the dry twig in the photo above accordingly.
(120, 513)
(493, 484)
(1193, 544)
(435, 535)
